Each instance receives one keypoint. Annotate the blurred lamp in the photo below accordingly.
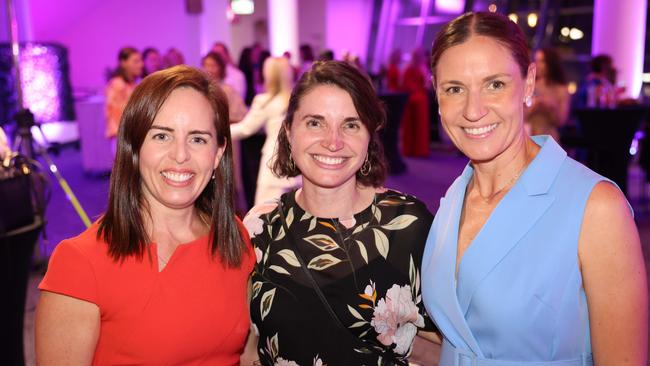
(646, 77)
(492, 8)
(532, 20)
(242, 7)
(576, 34)
(565, 31)
(513, 17)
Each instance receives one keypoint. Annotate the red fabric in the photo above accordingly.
(392, 78)
(415, 120)
(194, 312)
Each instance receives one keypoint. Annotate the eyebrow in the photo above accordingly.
(192, 132)
(487, 78)
(321, 118)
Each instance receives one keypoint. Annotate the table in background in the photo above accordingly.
(96, 152)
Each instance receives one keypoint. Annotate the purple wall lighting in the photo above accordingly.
(45, 83)
(450, 6)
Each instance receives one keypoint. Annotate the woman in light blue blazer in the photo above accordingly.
(532, 259)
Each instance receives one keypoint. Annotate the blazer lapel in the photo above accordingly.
(441, 269)
(513, 217)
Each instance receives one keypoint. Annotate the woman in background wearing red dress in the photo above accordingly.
(415, 121)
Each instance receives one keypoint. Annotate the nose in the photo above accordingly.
(179, 151)
(474, 107)
(333, 140)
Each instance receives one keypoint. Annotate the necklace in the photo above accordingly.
(507, 185)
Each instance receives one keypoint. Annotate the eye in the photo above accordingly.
(198, 140)
(352, 126)
(160, 136)
(313, 123)
(453, 90)
(496, 85)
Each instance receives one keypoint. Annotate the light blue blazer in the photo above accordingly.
(518, 298)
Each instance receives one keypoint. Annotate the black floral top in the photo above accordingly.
(367, 267)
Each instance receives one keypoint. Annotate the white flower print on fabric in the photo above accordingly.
(396, 319)
(254, 225)
(282, 362)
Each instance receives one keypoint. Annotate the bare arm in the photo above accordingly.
(250, 357)
(252, 122)
(67, 330)
(615, 281)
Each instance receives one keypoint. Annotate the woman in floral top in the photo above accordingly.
(361, 245)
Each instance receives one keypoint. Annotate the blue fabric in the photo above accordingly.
(518, 295)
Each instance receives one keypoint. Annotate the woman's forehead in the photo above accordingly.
(478, 55)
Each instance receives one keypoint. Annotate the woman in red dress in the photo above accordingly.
(415, 121)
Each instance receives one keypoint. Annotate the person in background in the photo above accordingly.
(267, 111)
(234, 77)
(306, 59)
(393, 73)
(246, 67)
(215, 67)
(119, 89)
(532, 259)
(342, 234)
(415, 120)
(597, 90)
(152, 61)
(550, 103)
(326, 55)
(161, 278)
(173, 57)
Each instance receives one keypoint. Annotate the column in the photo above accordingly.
(283, 27)
(619, 31)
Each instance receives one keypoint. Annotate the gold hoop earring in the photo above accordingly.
(365, 168)
(292, 164)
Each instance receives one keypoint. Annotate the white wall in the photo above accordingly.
(348, 26)
(94, 30)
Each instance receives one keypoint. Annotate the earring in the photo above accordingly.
(365, 168)
(439, 111)
(528, 101)
(214, 173)
(292, 164)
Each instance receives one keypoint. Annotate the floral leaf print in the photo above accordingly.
(312, 224)
(381, 242)
(323, 261)
(318, 361)
(412, 275)
(278, 269)
(290, 257)
(323, 242)
(281, 234)
(267, 301)
(358, 324)
(369, 294)
(290, 217)
(254, 225)
(362, 250)
(400, 222)
(390, 201)
(257, 286)
(272, 345)
(282, 362)
(360, 228)
(327, 225)
(377, 213)
(355, 313)
(305, 216)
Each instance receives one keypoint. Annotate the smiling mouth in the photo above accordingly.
(328, 160)
(478, 131)
(177, 177)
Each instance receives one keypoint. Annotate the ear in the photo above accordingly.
(220, 151)
(529, 87)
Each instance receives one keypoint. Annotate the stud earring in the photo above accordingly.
(528, 101)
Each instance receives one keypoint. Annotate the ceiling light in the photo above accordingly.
(576, 34)
(242, 7)
(532, 20)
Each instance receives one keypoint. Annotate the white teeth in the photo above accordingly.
(177, 177)
(328, 160)
(480, 130)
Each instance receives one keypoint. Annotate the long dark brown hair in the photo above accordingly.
(366, 102)
(122, 227)
(492, 25)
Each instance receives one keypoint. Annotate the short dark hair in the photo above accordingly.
(601, 63)
(122, 55)
(368, 105)
(492, 25)
(554, 69)
(122, 226)
(218, 59)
